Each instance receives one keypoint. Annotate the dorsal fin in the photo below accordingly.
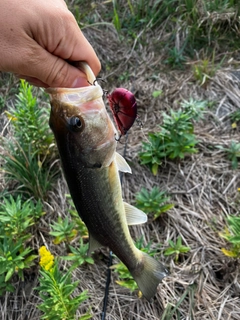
(122, 165)
(134, 216)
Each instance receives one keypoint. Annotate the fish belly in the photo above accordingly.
(97, 196)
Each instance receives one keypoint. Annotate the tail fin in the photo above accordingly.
(150, 276)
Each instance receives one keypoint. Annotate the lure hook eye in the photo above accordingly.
(93, 84)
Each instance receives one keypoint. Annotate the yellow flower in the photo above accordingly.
(46, 259)
(234, 125)
(239, 189)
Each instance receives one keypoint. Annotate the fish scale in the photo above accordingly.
(106, 230)
(86, 140)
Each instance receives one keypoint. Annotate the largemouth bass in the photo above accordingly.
(85, 137)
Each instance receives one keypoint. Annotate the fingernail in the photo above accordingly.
(80, 82)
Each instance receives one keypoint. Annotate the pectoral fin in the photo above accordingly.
(122, 164)
(93, 244)
(134, 216)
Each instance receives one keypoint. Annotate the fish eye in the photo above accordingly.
(75, 123)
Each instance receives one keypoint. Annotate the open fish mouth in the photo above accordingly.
(75, 95)
(81, 94)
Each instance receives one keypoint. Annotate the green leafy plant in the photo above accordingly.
(29, 171)
(56, 291)
(177, 134)
(16, 217)
(29, 156)
(63, 230)
(232, 235)
(205, 69)
(235, 117)
(194, 108)
(157, 93)
(176, 58)
(152, 152)
(176, 249)
(174, 141)
(5, 286)
(125, 278)
(79, 255)
(125, 76)
(14, 258)
(139, 243)
(232, 152)
(30, 121)
(153, 201)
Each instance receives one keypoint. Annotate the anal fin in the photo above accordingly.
(93, 244)
(134, 216)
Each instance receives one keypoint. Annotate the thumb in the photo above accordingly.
(53, 71)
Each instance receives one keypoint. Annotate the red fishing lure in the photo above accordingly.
(124, 108)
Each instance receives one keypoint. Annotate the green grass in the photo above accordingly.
(172, 310)
(199, 24)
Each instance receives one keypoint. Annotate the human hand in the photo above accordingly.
(36, 39)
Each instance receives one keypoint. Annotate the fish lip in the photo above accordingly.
(75, 95)
(63, 90)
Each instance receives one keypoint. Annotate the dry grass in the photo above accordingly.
(203, 188)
